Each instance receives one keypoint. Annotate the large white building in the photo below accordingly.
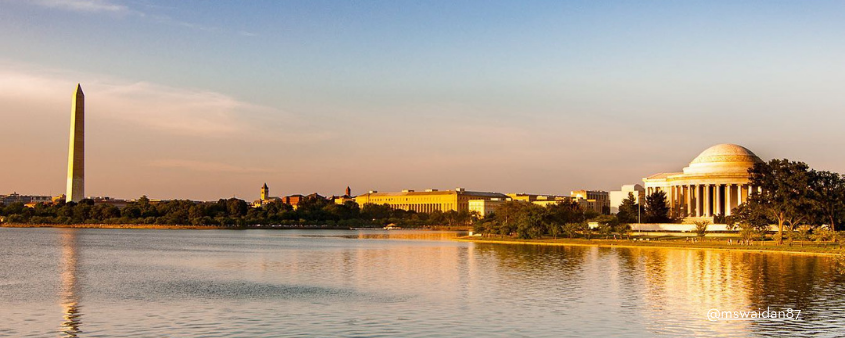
(713, 184)
(616, 197)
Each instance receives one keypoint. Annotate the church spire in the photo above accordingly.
(265, 192)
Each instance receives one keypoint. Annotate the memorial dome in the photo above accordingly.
(723, 159)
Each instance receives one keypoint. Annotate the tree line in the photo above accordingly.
(800, 201)
(527, 220)
(312, 210)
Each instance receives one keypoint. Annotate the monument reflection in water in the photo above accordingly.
(69, 293)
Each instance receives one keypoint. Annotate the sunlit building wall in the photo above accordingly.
(427, 201)
(594, 200)
(616, 197)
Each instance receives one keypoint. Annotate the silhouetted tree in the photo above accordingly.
(827, 194)
(657, 208)
(628, 210)
(782, 190)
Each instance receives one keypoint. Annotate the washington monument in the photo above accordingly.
(76, 149)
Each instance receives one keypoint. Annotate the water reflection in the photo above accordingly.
(324, 283)
(408, 235)
(69, 292)
(669, 291)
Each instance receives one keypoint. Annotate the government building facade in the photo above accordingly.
(713, 184)
(428, 201)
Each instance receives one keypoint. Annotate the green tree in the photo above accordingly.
(553, 228)
(783, 192)
(376, 212)
(572, 229)
(701, 227)
(657, 208)
(529, 221)
(506, 216)
(629, 210)
(484, 226)
(751, 219)
(606, 224)
(565, 212)
(236, 207)
(827, 194)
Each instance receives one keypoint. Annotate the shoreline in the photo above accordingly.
(812, 249)
(608, 243)
(213, 227)
(119, 226)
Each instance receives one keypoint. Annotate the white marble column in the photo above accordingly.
(708, 201)
(690, 199)
(694, 200)
(675, 199)
(693, 195)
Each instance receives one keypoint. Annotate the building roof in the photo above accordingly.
(728, 159)
(661, 175)
(726, 153)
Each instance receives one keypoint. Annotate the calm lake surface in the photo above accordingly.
(256, 283)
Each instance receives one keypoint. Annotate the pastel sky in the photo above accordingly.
(210, 99)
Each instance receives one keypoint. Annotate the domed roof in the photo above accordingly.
(726, 153)
(723, 159)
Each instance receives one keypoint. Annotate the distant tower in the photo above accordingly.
(348, 191)
(265, 192)
(76, 148)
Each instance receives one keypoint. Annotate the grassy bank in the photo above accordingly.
(671, 242)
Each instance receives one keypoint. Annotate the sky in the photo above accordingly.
(210, 99)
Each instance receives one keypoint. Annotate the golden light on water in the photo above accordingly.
(401, 282)
(69, 294)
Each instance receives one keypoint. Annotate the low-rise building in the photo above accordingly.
(594, 200)
(485, 207)
(119, 203)
(616, 197)
(347, 197)
(25, 199)
(429, 200)
(542, 200)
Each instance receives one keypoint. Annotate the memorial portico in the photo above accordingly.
(713, 184)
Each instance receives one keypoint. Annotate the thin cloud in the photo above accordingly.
(111, 7)
(180, 111)
(157, 108)
(174, 110)
(90, 6)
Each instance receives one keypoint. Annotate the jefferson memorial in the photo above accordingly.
(713, 184)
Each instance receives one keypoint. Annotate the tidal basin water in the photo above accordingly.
(156, 283)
